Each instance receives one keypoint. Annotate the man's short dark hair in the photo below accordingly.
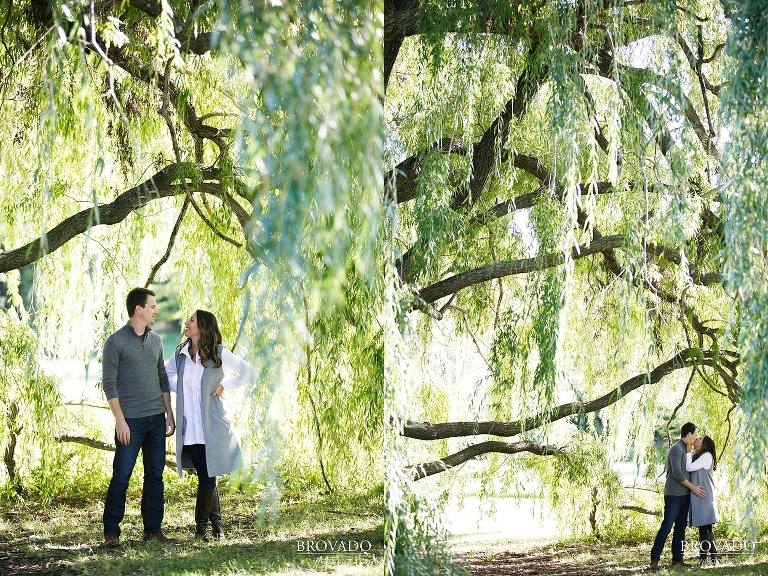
(688, 428)
(137, 297)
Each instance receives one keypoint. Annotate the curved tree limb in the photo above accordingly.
(428, 431)
(406, 174)
(404, 18)
(675, 257)
(163, 184)
(639, 509)
(490, 149)
(190, 40)
(171, 241)
(419, 471)
(210, 225)
(401, 19)
(504, 268)
(197, 128)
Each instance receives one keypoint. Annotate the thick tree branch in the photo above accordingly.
(527, 200)
(167, 182)
(428, 431)
(488, 152)
(419, 471)
(639, 509)
(501, 269)
(706, 279)
(405, 18)
(190, 40)
(406, 174)
(401, 19)
(606, 65)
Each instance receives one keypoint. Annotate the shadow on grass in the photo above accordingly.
(189, 555)
(65, 540)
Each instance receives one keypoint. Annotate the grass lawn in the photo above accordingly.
(588, 558)
(64, 538)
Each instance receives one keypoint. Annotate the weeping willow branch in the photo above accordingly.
(163, 184)
(406, 174)
(405, 18)
(428, 431)
(504, 268)
(164, 112)
(487, 153)
(642, 75)
(703, 279)
(639, 509)
(419, 471)
(682, 401)
(471, 333)
(316, 420)
(99, 445)
(210, 225)
(197, 129)
(171, 241)
(190, 38)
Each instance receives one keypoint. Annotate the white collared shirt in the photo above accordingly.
(236, 373)
(702, 462)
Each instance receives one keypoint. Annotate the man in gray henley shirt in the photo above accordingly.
(137, 390)
(677, 498)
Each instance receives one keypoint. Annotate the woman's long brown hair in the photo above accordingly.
(210, 338)
(707, 445)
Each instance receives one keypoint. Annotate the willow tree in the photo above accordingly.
(226, 145)
(577, 201)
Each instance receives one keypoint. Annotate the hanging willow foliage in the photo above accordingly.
(746, 246)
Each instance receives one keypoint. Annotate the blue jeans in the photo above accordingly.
(147, 435)
(675, 512)
(196, 453)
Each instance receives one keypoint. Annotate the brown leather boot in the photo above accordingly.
(215, 516)
(203, 506)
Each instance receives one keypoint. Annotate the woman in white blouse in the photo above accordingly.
(703, 515)
(199, 372)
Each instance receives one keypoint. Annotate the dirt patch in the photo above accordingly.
(13, 563)
(535, 563)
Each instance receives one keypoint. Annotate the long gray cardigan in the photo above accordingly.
(703, 510)
(222, 449)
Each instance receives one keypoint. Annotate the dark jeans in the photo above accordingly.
(197, 455)
(147, 435)
(675, 512)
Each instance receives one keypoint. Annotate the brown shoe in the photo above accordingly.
(654, 565)
(681, 563)
(111, 541)
(159, 536)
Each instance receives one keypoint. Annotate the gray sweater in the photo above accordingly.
(133, 370)
(676, 470)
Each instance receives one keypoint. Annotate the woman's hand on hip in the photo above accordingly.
(218, 392)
